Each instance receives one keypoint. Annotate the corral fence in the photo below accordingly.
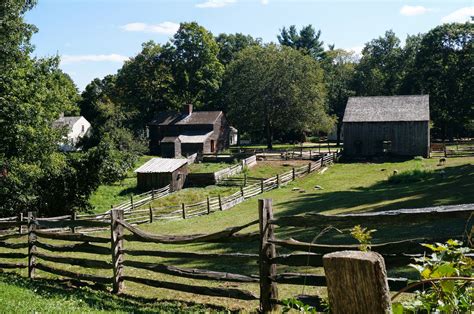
(461, 148)
(144, 198)
(42, 248)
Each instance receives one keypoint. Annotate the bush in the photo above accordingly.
(410, 176)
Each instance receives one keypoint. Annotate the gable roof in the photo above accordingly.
(161, 165)
(195, 118)
(387, 109)
(67, 121)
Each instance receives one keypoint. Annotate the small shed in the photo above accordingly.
(387, 125)
(159, 172)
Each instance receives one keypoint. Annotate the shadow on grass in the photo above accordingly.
(97, 297)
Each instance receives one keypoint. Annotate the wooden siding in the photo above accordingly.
(366, 138)
(176, 179)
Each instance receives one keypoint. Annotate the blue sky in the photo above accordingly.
(94, 37)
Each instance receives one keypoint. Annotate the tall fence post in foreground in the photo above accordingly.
(357, 282)
(31, 244)
(293, 173)
(268, 289)
(116, 237)
(183, 208)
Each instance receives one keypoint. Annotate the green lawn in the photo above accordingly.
(117, 192)
(208, 167)
(350, 187)
(267, 169)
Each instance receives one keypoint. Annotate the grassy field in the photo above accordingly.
(208, 167)
(267, 169)
(350, 187)
(117, 192)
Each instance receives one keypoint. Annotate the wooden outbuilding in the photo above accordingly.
(387, 125)
(159, 172)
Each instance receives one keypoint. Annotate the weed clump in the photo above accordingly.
(410, 176)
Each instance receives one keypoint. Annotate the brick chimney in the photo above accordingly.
(188, 109)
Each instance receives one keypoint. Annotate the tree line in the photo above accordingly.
(281, 91)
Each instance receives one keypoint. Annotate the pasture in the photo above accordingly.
(342, 188)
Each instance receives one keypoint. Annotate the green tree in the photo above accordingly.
(444, 69)
(231, 44)
(306, 40)
(197, 72)
(380, 70)
(339, 69)
(273, 89)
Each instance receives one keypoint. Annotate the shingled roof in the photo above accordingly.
(387, 109)
(161, 165)
(198, 117)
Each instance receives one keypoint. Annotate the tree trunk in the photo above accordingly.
(339, 131)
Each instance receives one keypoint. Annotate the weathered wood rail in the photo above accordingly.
(395, 253)
(107, 259)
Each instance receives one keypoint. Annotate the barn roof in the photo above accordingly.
(387, 109)
(161, 165)
(198, 117)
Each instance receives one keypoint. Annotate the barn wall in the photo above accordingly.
(170, 149)
(148, 181)
(408, 138)
(221, 133)
(178, 178)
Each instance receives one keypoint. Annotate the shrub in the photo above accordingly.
(443, 296)
(410, 176)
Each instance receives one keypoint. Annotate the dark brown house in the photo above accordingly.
(387, 125)
(174, 134)
(159, 172)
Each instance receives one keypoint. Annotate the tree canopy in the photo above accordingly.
(306, 40)
(273, 90)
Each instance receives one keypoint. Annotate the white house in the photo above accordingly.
(77, 127)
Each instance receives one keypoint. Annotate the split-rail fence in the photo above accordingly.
(35, 244)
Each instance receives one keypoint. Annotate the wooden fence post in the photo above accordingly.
(131, 201)
(278, 180)
(116, 237)
(152, 194)
(208, 206)
(261, 185)
(242, 191)
(310, 156)
(268, 288)
(245, 179)
(294, 174)
(73, 218)
(220, 201)
(31, 244)
(183, 207)
(20, 220)
(151, 213)
(357, 282)
(309, 167)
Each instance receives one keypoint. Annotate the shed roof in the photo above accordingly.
(194, 137)
(161, 165)
(198, 117)
(387, 109)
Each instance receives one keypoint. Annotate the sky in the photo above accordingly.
(95, 37)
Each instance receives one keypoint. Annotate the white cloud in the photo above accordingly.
(265, 2)
(412, 10)
(167, 28)
(68, 59)
(215, 3)
(459, 16)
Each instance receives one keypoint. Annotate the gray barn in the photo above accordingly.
(159, 172)
(387, 125)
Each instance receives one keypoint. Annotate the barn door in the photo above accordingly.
(213, 146)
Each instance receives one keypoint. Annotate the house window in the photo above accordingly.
(82, 128)
(386, 147)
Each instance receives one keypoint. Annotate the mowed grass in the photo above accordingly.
(118, 192)
(208, 167)
(351, 187)
(267, 169)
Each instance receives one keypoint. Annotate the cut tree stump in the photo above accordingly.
(357, 282)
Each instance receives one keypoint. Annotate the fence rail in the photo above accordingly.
(42, 248)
